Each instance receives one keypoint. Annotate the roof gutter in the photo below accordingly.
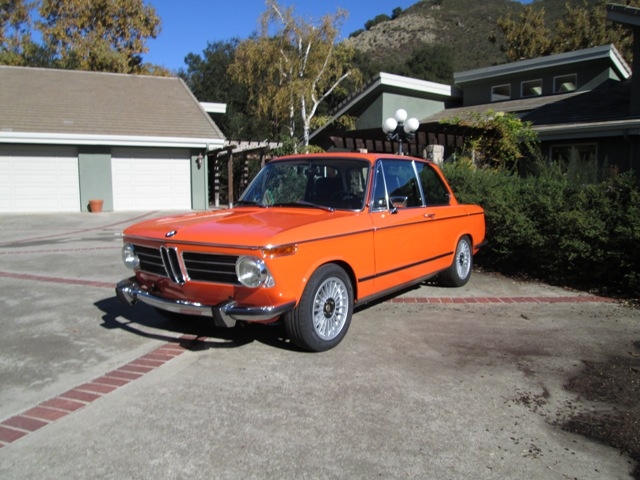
(110, 140)
(588, 130)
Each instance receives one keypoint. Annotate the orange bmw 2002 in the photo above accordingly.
(311, 237)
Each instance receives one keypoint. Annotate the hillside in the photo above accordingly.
(465, 29)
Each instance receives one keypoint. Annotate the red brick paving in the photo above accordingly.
(80, 395)
(63, 404)
(147, 363)
(45, 413)
(24, 423)
(67, 281)
(110, 380)
(561, 299)
(131, 367)
(124, 374)
(8, 435)
(97, 388)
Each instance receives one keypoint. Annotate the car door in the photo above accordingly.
(444, 218)
(401, 228)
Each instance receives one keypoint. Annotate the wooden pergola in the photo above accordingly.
(374, 140)
(232, 151)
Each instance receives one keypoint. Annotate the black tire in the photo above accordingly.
(323, 315)
(459, 272)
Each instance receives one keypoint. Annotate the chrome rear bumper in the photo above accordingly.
(224, 314)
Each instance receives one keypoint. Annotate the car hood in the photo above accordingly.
(246, 226)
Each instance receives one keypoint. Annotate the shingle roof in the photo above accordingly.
(607, 103)
(48, 101)
(518, 107)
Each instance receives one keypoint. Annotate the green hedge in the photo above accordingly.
(551, 228)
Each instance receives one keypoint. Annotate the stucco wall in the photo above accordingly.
(94, 167)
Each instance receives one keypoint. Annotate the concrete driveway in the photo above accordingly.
(434, 383)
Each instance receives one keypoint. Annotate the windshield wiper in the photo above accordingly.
(303, 203)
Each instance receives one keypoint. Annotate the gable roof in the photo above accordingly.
(383, 82)
(389, 82)
(551, 61)
(77, 107)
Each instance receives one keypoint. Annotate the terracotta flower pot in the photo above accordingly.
(95, 206)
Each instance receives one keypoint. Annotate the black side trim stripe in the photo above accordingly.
(432, 220)
(404, 267)
(332, 237)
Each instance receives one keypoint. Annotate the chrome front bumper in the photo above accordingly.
(224, 314)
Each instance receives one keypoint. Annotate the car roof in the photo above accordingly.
(371, 157)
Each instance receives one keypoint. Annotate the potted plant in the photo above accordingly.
(95, 206)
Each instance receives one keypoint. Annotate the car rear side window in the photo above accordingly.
(435, 192)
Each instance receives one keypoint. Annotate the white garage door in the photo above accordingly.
(36, 179)
(151, 179)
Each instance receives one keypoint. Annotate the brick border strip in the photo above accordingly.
(82, 230)
(58, 250)
(505, 300)
(78, 397)
(434, 300)
(66, 281)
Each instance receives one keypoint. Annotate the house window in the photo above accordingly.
(577, 161)
(573, 152)
(500, 92)
(531, 88)
(565, 83)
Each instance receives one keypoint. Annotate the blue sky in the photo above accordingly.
(188, 25)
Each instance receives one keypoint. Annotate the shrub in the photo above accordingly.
(548, 227)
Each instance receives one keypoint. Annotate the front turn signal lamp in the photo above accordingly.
(281, 251)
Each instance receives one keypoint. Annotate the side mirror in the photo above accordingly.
(398, 201)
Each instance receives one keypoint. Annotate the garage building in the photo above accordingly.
(136, 142)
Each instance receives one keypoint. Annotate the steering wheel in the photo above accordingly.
(345, 196)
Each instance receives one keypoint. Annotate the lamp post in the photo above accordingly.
(400, 129)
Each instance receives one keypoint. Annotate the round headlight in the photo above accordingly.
(251, 271)
(129, 256)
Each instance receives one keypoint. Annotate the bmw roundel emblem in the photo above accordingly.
(171, 233)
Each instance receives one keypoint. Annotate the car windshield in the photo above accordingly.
(331, 183)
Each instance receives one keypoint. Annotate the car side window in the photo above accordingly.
(435, 192)
(402, 184)
(379, 198)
